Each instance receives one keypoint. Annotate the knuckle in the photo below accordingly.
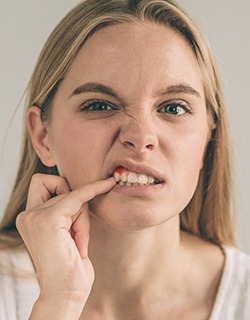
(36, 177)
(20, 219)
(31, 220)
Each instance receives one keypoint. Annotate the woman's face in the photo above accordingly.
(133, 98)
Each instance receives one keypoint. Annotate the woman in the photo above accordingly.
(123, 197)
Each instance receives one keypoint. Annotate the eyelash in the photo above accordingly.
(176, 105)
(88, 107)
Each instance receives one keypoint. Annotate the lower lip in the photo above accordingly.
(138, 191)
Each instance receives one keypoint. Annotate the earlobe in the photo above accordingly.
(39, 136)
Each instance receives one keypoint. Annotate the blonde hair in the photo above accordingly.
(209, 212)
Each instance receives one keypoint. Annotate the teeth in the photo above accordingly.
(123, 177)
(117, 176)
(133, 179)
(151, 180)
(142, 179)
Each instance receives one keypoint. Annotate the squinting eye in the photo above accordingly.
(97, 107)
(175, 109)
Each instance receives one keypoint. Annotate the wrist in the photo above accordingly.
(51, 309)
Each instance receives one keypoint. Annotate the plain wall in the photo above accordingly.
(24, 27)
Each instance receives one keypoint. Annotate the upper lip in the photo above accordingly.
(137, 167)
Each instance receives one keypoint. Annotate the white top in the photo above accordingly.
(19, 290)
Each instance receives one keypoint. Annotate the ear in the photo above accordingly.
(208, 143)
(39, 136)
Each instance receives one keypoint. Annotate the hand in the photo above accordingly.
(56, 234)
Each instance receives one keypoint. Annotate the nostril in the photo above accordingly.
(132, 145)
(150, 147)
(129, 144)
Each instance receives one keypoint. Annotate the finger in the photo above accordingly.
(71, 204)
(80, 229)
(93, 189)
(43, 186)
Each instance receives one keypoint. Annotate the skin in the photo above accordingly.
(144, 266)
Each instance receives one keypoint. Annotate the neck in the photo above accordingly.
(150, 273)
(129, 263)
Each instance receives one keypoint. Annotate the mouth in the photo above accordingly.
(126, 177)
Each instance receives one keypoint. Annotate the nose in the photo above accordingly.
(139, 136)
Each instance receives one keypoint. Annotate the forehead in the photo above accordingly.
(135, 56)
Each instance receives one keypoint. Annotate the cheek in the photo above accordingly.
(79, 150)
(186, 162)
(191, 153)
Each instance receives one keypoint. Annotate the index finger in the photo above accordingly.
(72, 203)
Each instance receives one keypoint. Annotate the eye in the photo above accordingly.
(175, 109)
(96, 106)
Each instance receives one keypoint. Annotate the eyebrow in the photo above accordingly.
(180, 88)
(94, 87)
(90, 87)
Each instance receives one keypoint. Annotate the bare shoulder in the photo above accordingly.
(207, 261)
(204, 252)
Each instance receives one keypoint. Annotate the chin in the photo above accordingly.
(130, 215)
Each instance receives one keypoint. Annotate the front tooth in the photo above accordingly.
(132, 177)
(142, 179)
(124, 176)
(117, 176)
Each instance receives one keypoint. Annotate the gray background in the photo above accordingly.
(24, 27)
